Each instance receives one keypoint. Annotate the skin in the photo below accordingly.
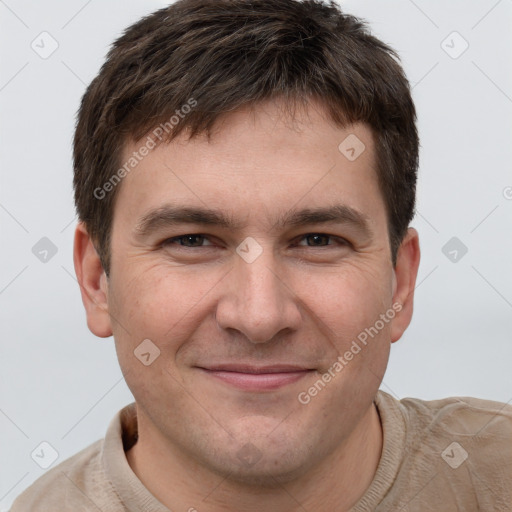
(297, 303)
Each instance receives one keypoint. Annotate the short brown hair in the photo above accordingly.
(230, 53)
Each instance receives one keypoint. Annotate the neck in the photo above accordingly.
(337, 483)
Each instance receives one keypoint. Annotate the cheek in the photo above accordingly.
(161, 304)
(345, 301)
(347, 306)
(350, 312)
(167, 305)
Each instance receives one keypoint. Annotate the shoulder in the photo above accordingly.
(64, 487)
(460, 416)
(455, 452)
(473, 428)
(482, 425)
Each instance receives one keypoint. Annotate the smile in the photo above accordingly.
(251, 378)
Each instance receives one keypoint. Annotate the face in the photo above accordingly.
(253, 263)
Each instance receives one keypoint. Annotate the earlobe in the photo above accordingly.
(405, 273)
(93, 283)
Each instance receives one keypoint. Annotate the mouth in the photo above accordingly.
(257, 378)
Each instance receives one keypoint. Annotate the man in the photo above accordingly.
(245, 178)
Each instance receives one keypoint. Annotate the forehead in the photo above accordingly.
(258, 164)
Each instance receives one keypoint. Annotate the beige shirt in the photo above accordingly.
(453, 454)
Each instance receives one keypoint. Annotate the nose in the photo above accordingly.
(257, 301)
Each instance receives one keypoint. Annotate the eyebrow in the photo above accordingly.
(339, 214)
(170, 215)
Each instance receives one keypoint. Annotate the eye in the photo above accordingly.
(191, 240)
(320, 240)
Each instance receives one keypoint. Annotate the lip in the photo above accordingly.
(257, 378)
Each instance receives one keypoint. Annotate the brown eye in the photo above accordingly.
(320, 240)
(317, 240)
(192, 240)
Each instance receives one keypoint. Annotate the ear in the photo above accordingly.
(405, 273)
(93, 283)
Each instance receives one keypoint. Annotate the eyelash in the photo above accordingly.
(171, 241)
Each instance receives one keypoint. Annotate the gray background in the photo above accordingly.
(62, 385)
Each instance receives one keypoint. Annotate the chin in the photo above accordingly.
(261, 451)
(258, 480)
(272, 473)
(265, 463)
